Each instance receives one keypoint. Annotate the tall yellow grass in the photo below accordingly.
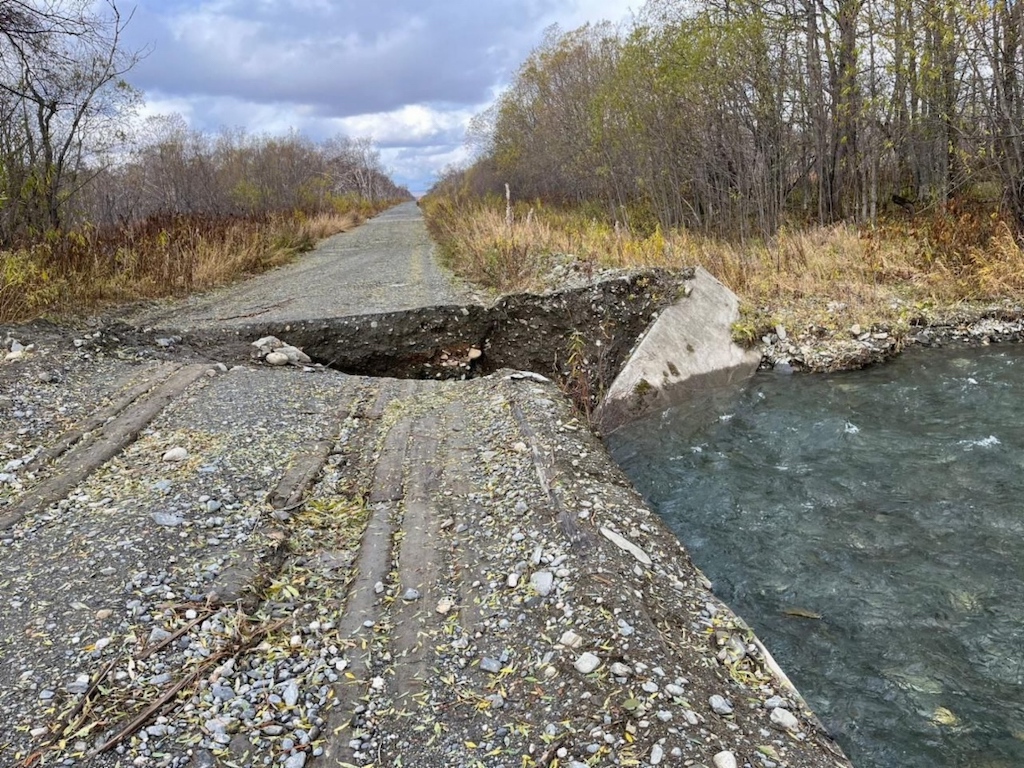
(831, 277)
(73, 273)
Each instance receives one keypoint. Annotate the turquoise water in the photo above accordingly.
(889, 501)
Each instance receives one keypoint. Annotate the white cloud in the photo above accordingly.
(409, 73)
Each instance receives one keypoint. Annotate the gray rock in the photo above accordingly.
(222, 692)
(570, 639)
(725, 759)
(657, 754)
(676, 691)
(619, 669)
(277, 358)
(176, 454)
(81, 684)
(784, 719)
(542, 582)
(158, 635)
(268, 344)
(167, 519)
(720, 705)
(291, 693)
(295, 355)
(295, 761)
(411, 595)
(587, 663)
(490, 665)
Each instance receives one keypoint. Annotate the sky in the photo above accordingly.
(408, 73)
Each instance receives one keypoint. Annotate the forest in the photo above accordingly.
(98, 205)
(758, 135)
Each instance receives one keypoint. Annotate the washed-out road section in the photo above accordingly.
(216, 562)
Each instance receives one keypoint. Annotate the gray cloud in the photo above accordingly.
(410, 73)
(344, 58)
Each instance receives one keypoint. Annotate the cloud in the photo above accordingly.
(410, 73)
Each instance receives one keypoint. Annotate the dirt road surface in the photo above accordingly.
(385, 265)
(225, 563)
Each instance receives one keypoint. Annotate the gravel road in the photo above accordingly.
(207, 564)
(387, 264)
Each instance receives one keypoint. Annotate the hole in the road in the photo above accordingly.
(579, 337)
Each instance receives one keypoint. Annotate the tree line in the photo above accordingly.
(737, 117)
(72, 152)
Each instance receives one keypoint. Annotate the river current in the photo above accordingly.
(887, 502)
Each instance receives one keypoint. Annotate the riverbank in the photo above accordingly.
(818, 350)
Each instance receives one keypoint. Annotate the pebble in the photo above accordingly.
(411, 595)
(542, 582)
(657, 754)
(676, 691)
(490, 665)
(277, 358)
(157, 635)
(81, 684)
(291, 693)
(618, 669)
(725, 760)
(176, 455)
(784, 719)
(444, 605)
(297, 760)
(570, 640)
(587, 663)
(720, 705)
(167, 519)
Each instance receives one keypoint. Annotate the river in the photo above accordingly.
(889, 502)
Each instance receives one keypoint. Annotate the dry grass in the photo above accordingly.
(78, 272)
(829, 278)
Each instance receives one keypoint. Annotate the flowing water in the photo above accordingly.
(891, 503)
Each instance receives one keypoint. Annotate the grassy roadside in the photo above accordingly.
(74, 273)
(822, 280)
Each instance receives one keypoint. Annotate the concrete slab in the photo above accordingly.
(686, 351)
